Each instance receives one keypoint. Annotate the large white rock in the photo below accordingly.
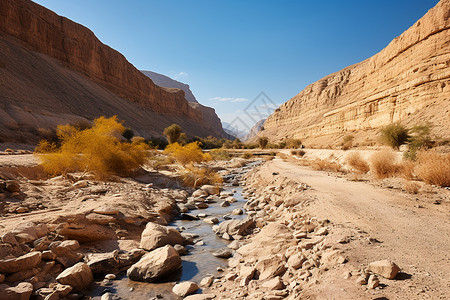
(155, 265)
(155, 236)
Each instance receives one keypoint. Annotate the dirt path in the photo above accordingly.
(418, 239)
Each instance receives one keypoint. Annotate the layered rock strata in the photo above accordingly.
(408, 81)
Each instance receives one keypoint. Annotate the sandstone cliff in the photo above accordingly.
(53, 70)
(165, 81)
(208, 114)
(408, 81)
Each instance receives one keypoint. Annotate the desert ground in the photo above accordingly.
(304, 234)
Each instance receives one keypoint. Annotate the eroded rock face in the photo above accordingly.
(88, 79)
(407, 81)
(155, 265)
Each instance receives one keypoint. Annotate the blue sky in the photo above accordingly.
(230, 51)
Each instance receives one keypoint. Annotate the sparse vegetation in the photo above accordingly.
(262, 142)
(326, 165)
(394, 135)
(420, 139)
(190, 153)
(172, 133)
(220, 154)
(197, 176)
(247, 155)
(434, 168)
(97, 150)
(384, 164)
(293, 143)
(357, 163)
(347, 142)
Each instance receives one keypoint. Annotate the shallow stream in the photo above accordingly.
(196, 265)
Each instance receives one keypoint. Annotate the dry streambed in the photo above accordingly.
(73, 232)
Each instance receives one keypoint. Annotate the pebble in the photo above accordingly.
(110, 276)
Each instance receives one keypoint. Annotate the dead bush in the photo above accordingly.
(220, 154)
(357, 163)
(326, 165)
(406, 169)
(197, 176)
(30, 173)
(434, 168)
(411, 187)
(98, 150)
(384, 164)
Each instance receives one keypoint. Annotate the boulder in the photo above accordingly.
(273, 284)
(22, 263)
(235, 227)
(212, 220)
(296, 261)
(200, 193)
(385, 268)
(211, 189)
(223, 253)
(12, 186)
(103, 263)
(65, 252)
(207, 281)
(184, 289)
(155, 236)
(28, 232)
(373, 282)
(84, 231)
(237, 211)
(155, 265)
(22, 291)
(79, 277)
(270, 267)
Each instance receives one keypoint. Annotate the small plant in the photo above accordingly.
(247, 155)
(420, 139)
(326, 165)
(128, 133)
(394, 135)
(220, 154)
(357, 163)
(384, 164)
(172, 133)
(262, 142)
(197, 176)
(347, 142)
(434, 168)
(293, 143)
(97, 150)
(411, 187)
(294, 152)
(190, 153)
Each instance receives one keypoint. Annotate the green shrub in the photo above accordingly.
(172, 133)
(394, 135)
(262, 142)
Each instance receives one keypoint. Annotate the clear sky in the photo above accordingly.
(230, 51)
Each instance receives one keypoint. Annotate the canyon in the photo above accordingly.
(55, 71)
(407, 82)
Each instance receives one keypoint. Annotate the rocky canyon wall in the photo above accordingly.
(53, 69)
(408, 81)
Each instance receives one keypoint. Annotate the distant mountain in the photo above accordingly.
(165, 81)
(235, 132)
(255, 129)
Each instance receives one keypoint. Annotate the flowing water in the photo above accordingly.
(196, 265)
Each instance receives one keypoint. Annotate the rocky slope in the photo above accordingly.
(408, 81)
(255, 129)
(53, 71)
(165, 81)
